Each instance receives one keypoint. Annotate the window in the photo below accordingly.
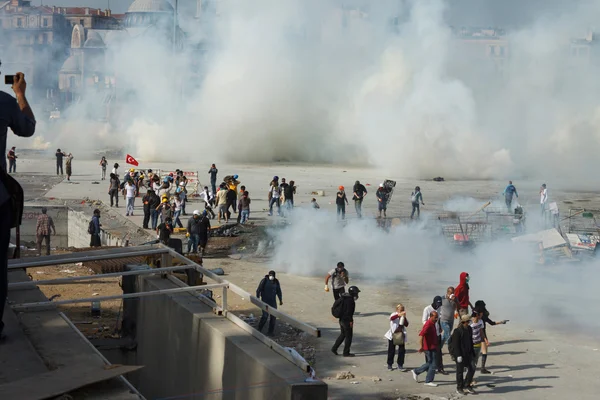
(82, 22)
(45, 22)
(19, 22)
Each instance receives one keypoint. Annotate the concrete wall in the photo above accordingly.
(79, 237)
(189, 351)
(60, 217)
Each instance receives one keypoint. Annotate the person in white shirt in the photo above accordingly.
(398, 323)
(130, 196)
(543, 197)
(434, 306)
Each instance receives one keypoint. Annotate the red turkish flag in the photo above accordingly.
(131, 160)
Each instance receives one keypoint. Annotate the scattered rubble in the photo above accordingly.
(344, 375)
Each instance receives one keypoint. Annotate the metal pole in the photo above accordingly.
(26, 306)
(224, 302)
(99, 354)
(70, 279)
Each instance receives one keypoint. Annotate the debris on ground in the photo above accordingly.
(376, 379)
(438, 179)
(344, 375)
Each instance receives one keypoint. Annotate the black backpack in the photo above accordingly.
(336, 308)
(91, 227)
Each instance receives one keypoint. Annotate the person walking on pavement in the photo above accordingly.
(213, 171)
(245, 207)
(508, 193)
(435, 306)
(543, 198)
(103, 164)
(95, 233)
(12, 160)
(147, 201)
(382, 196)
(346, 319)
(153, 203)
(462, 294)
(416, 198)
(446, 317)
(339, 280)
(396, 336)
(69, 165)
(45, 226)
(462, 351)
(113, 190)
(480, 306)
(428, 344)
(275, 196)
(341, 200)
(268, 291)
(130, 190)
(359, 192)
(477, 334)
(59, 161)
(221, 203)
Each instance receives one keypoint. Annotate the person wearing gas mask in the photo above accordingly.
(435, 306)
(347, 305)
(461, 292)
(268, 291)
(339, 280)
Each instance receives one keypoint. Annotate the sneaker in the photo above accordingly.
(431, 384)
(486, 371)
(390, 368)
(470, 390)
(334, 351)
(349, 355)
(460, 392)
(415, 376)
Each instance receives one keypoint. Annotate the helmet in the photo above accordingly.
(235, 177)
(341, 188)
(381, 185)
(353, 291)
(196, 212)
(131, 169)
(164, 200)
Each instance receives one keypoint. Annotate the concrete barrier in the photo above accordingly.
(79, 237)
(189, 351)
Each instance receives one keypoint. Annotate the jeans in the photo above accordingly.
(477, 351)
(176, 220)
(274, 200)
(214, 187)
(341, 209)
(461, 382)
(430, 365)
(154, 218)
(446, 331)
(263, 321)
(508, 201)
(103, 173)
(130, 205)
(40, 239)
(193, 241)
(12, 166)
(59, 166)
(5, 217)
(358, 207)
(415, 207)
(245, 216)
(114, 196)
(392, 351)
(345, 335)
(287, 207)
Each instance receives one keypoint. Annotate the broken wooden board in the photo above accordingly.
(63, 380)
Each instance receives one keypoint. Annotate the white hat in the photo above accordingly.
(196, 212)
(381, 185)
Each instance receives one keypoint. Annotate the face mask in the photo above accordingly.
(271, 277)
(468, 279)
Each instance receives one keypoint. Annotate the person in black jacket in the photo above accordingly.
(462, 351)
(480, 307)
(147, 199)
(268, 290)
(346, 321)
(154, 202)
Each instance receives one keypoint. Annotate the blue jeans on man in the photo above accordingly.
(176, 220)
(430, 365)
(245, 215)
(154, 218)
(277, 202)
(193, 241)
(446, 331)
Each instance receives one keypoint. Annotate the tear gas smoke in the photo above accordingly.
(504, 275)
(309, 81)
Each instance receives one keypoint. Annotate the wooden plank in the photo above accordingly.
(63, 380)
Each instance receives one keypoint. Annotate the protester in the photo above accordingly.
(446, 316)
(435, 306)
(462, 294)
(314, 204)
(69, 164)
(147, 200)
(463, 353)
(208, 199)
(239, 216)
(45, 226)
(231, 197)
(397, 332)
(382, 200)
(341, 200)
(268, 291)
(130, 190)
(193, 232)
(164, 231)
(115, 169)
(113, 189)
(221, 203)
(18, 116)
(245, 207)
(153, 204)
(359, 192)
(543, 198)
(177, 204)
(95, 230)
(103, 164)
(12, 160)
(339, 280)
(477, 335)
(480, 306)
(181, 193)
(416, 197)
(164, 209)
(508, 193)
(428, 343)
(274, 196)
(347, 304)
(213, 177)
(59, 161)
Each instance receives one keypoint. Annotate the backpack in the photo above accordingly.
(413, 198)
(91, 227)
(336, 308)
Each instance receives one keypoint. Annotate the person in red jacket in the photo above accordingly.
(462, 294)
